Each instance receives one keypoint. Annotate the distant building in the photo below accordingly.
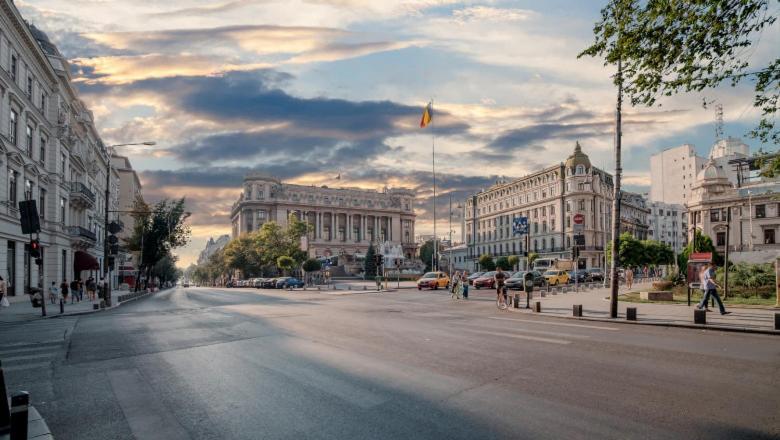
(668, 223)
(634, 215)
(673, 171)
(212, 246)
(344, 220)
(457, 254)
(746, 215)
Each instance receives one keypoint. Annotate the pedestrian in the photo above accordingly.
(629, 277)
(710, 287)
(74, 290)
(64, 290)
(54, 292)
(455, 288)
(3, 292)
(81, 290)
(91, 289)
(464, 279)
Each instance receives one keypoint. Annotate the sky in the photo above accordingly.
(307, 90)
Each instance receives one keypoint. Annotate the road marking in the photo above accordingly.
(26, 366)
(523, 330)
(147, 416)
(24, 350)
(529, 338)
(556, 323)
(29, 357)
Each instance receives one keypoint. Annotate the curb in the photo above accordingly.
(87, 312)
(664, 324)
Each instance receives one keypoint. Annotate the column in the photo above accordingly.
(363, 227)
(19, 269)
(317, 224)
(348, 232)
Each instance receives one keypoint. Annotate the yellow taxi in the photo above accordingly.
(555, 277)
(433, 280)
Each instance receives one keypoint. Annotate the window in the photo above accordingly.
(769, 236)
(29, 141)
(568, 206)
(29, 86)
(760, 211)
(43, 102)
(720, 238)
(582, 205)
(715, 215)
(12, 126)
(42, 147)
(28, 189)
(14, 66)
(62, 210)
(580, 169)
(552, 209)
(63, 159)
(42, 203)
(13, 175)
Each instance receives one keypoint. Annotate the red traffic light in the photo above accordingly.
(35, 249)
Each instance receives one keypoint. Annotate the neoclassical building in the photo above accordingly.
(550, 198)
(344, 220)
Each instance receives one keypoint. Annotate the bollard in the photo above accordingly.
(365, 288)
(95, 306)
(517, 300)
(349, 287)
(544, 294)
(577, 310)
(777, 321)
(62, 307)
(20, 404)
(5, 413)
(318, 288)
(538, 307)
(631, 314)
(699, 316)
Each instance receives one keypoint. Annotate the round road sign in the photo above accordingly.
(579, 219)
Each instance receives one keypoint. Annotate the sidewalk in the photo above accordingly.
(595, 305)
(22, 310)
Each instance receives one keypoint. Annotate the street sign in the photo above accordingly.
(579, 219)
(520, 225)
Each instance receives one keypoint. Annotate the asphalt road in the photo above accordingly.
(203, 363)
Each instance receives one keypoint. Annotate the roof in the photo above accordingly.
(578, 158)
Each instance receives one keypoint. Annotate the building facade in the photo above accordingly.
(345, 221)
(634, 215)
(746, 216)
(212, 246)
(50, 152)
(129, 191)
(550, 198)
(668, 223)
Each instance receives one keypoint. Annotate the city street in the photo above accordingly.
(205, 363)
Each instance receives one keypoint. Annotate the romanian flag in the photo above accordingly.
(427, 115)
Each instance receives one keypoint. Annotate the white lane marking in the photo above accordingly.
(526, 337)
(26, 366)
(522, 330)
(25, 350)
(555, 323)
(29, 357)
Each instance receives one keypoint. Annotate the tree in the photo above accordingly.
(514, 260)
(700, 243)
(243, 254)
(165, 270)
(426, 254)
(312, 265)
(532, 256)
(285, 263)
(369, 265)
(687, 46)
(503, 263)
(486, 262)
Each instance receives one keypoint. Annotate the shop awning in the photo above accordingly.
(84, 261)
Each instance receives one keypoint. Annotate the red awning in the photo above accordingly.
(84, 261)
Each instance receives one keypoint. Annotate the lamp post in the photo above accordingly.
(106, 269)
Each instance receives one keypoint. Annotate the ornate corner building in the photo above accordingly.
(344, 220)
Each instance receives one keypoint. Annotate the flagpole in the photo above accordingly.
(433, 166)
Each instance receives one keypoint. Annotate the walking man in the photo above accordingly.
(74, 290)
(710, 287)
(629, 277)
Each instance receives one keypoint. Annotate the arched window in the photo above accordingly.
(580, 169)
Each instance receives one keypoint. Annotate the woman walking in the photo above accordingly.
(629, 277)
(54, 292)
(3, 291)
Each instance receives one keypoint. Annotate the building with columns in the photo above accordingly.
(344, 220)
(549, 198)
(634, 215)
(50, 152)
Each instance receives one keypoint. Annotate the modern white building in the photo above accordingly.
(673, 171)
(668, 223)
(50, 152)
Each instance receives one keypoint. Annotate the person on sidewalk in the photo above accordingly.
(91, 289)
(629, 277)
(74, 290)
(3, 291)
(464, 279)
(710, 287)
(64, 290)
(54, 292)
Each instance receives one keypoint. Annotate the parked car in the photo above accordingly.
(185, 285)
(516, 280)
(474, 276)
(268, 283)
(555, 277)
(580, 276)
(287, 282)
(433, 280)
(485, 280)
(595, 274)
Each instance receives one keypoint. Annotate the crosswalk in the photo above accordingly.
(33, 346)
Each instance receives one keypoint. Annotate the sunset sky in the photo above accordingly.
(305, 90)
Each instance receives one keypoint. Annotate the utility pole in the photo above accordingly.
(449, 260)
(106, 269)
(613, 298)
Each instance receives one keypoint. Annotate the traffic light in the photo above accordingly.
(576, 252)
(111, 262)
(113, 249)
(35, 249)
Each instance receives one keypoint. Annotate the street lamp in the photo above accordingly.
(106, 269)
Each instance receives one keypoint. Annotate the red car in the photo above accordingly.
(486, 280)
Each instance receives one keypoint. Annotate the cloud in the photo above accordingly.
(203, 10)
(487, 13)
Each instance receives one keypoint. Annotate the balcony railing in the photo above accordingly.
(80, 232)
(81, 189)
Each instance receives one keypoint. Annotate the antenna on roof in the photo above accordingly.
(718, 122)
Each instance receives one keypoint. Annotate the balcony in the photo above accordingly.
(81, 238)
(80, 196)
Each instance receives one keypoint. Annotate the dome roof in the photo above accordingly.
(711, 171)
(578, 158)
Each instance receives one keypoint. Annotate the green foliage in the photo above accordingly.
(486, 262)
(635, 253)
(285, 263)
(514, 260)
(700, 243)
(369, 265)
(243, 254)
(312, 265)
(687, 46)
(426, 254)
(749, 276)
(770, 166)
(166, 270)
(532, 256)
(503, 263)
